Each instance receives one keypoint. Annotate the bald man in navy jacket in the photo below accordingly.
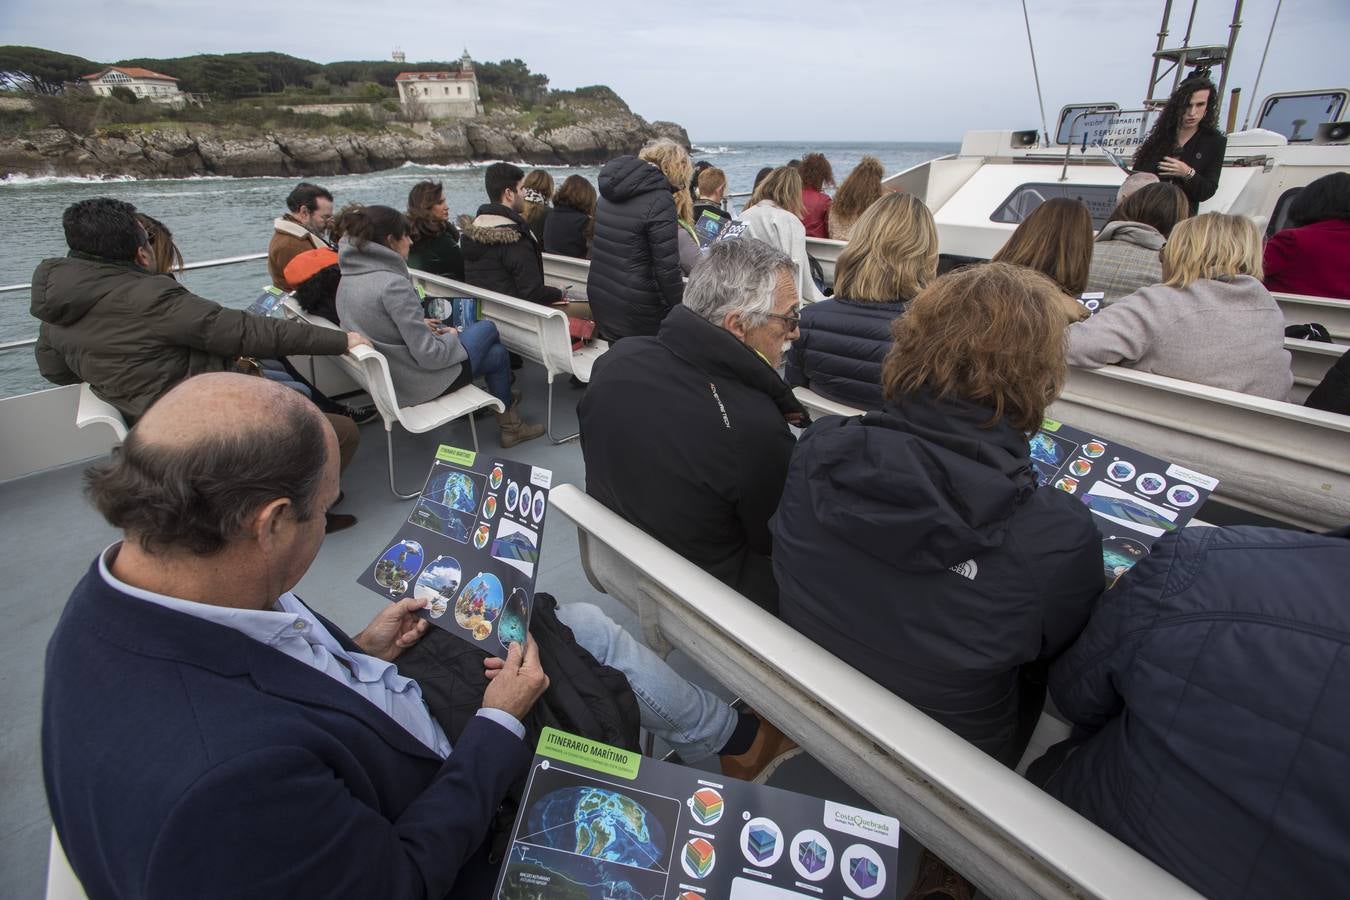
(205, 734)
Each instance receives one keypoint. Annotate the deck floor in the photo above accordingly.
(50, 535)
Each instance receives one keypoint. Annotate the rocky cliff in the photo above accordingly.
(192, 149)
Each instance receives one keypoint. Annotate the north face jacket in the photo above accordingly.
(914, 544)
(1214, 681)
(500, 254)
(634, 277)
(133, 335)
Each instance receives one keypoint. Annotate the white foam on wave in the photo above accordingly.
(484, 163)
(19, 180)
(720, 148)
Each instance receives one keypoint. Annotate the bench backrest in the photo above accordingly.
(1001, 831)
(537, 332)
(1299, 309)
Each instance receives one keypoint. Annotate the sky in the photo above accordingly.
(749, 70)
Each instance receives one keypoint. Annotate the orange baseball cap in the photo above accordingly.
(308, 264)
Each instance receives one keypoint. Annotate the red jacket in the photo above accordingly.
(816, 213)
(1314, 259)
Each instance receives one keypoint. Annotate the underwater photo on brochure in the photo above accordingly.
(470, 548)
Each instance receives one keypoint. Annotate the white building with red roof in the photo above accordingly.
(145, 84)
(441, 95)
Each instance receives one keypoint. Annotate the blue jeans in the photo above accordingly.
(275, 371)
(694, 721)
(488, 358)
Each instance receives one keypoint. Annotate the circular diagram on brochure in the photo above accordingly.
(1067, 485)
(537, 510)
(812, 855)
(480, 536)
(525, 497)
(1119, 555)
(479, 605)
(1151, 483)
(1093, 449)
(489, 507)
(698, 858)
(863, 871)
(437, 585)
(395, 568)
(1120, 470)
(762, 842)
(512, 495)
(706, 806)
(495, 477)
(1080, 467)
(1183, 495)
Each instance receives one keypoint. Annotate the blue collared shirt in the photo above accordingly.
(292, 629)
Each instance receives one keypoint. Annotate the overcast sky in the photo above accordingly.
(853, 70)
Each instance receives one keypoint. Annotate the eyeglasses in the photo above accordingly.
(792, 319)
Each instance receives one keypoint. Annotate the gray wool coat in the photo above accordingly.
(376, 298)
(1226, 333)
(1125, 259)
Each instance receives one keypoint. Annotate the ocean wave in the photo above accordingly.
(19, 180)
(720, 148)
(484, 163)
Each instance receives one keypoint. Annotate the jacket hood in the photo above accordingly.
(66, 289)
(628, 177)
(369, 258)
(493, 229)
(919, 485)
(1136, 233)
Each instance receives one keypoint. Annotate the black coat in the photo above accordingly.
(1333, 393)
(565, 232)
(684, 436)
(841, 348)
(1203, 153)
(1214, 680)
(500, 254)
(635, 258)
(914, 544)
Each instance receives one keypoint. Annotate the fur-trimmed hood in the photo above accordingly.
(495, 225)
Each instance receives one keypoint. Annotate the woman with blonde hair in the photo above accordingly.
(634, 278)
(1056, 240)
(860, 190)
(952, 570)
(1211, 321)
(774, 217)
(673, 161)
(537, 191)
(892, 257)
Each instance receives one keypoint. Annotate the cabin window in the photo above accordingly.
(1297, 117)
(1100, 199)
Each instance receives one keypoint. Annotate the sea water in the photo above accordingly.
(215, 217)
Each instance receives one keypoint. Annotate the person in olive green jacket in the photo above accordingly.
(132, 335)
(435, 242)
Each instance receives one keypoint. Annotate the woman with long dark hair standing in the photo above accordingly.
(1185, 146)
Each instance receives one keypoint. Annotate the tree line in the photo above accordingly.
(231, 76)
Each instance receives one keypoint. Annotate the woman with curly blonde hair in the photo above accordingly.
(953, 570)
(673, 161)
(892, 257)
(860, 190)
(1211, 321)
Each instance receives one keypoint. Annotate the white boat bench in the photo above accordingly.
(1002, 832)
(369, 369)
(537, 332)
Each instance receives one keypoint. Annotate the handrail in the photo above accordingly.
(1112, 113)
(17, 345)
(189, 267)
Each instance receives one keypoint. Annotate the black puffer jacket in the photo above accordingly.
(500, 254)
(914, 544)
(842, 346)
(686, 436)
(635, 257)
(565, 232)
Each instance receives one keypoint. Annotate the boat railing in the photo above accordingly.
(1109, 114)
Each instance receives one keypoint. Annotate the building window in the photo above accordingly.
(459, 89)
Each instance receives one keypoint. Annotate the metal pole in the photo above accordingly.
(1256, 87)
(1233, 28)
(1185, 45)
(1162, 39)
(1233, 102)
(1045, 127)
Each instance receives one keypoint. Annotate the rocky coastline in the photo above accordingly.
(192, 149)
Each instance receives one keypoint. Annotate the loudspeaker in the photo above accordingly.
(1021, 139)
(1333, 133)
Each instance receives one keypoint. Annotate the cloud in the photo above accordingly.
(757, 69)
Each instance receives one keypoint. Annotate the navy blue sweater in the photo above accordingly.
(840, 351)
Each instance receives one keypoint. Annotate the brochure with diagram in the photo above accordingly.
(599, 822)
(470, 548)
(1135, 498)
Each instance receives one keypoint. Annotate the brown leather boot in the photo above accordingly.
(771, 748)
(514, 431)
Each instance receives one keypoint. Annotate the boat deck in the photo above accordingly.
(51, 535)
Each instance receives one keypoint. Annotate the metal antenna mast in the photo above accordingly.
(1035, 72)
(1256, 87)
